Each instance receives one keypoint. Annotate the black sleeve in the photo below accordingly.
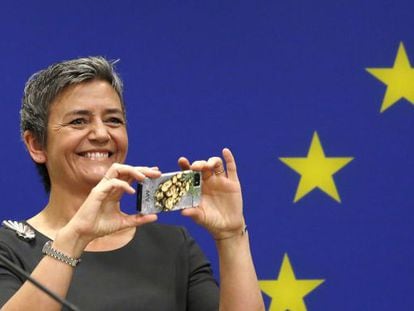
(203, 292)
(9, 281)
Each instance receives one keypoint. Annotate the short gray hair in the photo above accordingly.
(44, 86)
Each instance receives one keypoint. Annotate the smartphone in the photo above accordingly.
(170, 192)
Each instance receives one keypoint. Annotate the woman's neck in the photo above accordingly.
(62, 206)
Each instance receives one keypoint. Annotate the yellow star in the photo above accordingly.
(287, 292)
(399, 79)
(316, 170)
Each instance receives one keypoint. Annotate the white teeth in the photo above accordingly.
(96, 155)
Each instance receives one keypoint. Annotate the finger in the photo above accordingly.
(230, 164)
(111, 187)
(202, 165)
(199, 165)
(183, 163)
(126, 172)
(216, 165)
(195, 213)
(117, 184)
(140, 219)
(149, 171)
(116, 170)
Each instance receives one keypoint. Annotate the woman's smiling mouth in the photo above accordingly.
(96, 155)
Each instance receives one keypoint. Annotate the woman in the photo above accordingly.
(73, 125)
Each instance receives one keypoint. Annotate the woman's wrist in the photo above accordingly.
(70, 242)
(233, 245)
(231, 235)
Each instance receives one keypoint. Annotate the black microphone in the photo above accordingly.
(27, 276)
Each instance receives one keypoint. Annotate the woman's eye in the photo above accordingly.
(78, 121)
(115, 120)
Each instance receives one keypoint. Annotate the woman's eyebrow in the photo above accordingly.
(82, 112)
(85, 112)
(113, 110)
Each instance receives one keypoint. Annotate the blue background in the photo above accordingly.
(259, 77)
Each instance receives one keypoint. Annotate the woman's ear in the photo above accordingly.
(34, 147)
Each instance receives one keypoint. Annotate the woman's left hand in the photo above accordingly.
(221, 207)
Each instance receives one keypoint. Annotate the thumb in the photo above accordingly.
(139, 219)
(195, 213)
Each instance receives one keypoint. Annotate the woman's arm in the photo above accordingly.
(221, 213)
(98, 216)
(53, 274)
(239, 289)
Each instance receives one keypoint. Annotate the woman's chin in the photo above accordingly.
(93, 178)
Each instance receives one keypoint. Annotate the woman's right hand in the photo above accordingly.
(100, 214)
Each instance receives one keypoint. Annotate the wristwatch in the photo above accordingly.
(54, 253)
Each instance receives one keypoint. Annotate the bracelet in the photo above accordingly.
(54, 253)
(243, 232)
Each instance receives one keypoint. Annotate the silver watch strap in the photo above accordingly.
(54, 253)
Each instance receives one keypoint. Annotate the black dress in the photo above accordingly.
(161, 268)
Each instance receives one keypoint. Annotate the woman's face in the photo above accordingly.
(86, 134)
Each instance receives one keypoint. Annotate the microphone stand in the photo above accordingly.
(27, 276)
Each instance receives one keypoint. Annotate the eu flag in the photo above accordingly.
(315, 99)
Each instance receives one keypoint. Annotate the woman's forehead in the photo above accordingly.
(87, 96)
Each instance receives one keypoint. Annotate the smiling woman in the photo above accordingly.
(86, 134)
(73, 125)
(46, 86)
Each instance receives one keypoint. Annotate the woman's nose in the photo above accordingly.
(99, 132)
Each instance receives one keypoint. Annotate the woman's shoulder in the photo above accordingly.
(13, 231)
(18, 234)
(20, 243)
